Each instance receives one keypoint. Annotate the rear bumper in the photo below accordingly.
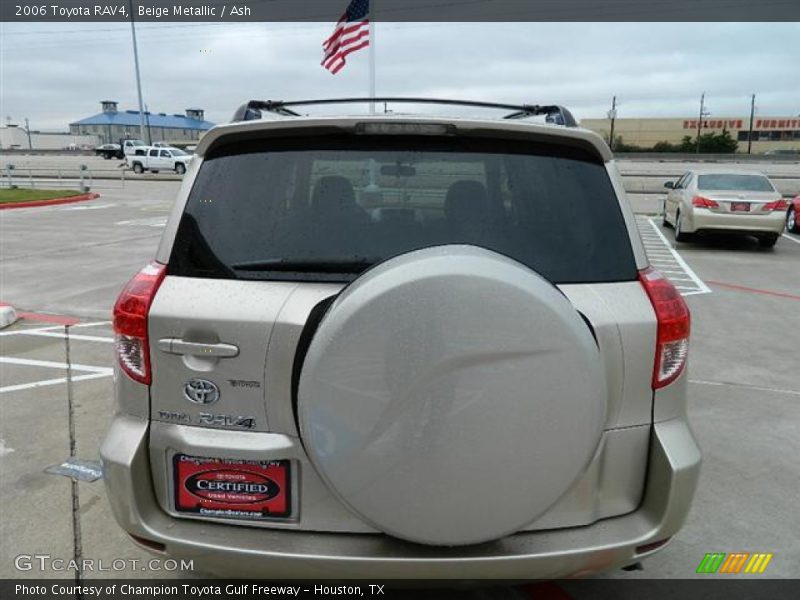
(702, 219)
(233, 551)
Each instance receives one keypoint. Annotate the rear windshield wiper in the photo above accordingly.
(345, 265)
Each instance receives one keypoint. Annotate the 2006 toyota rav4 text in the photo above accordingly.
(401, 347)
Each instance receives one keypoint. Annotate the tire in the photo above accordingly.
(154, 170)
(680, 235)
(791, 221)
(138, 168)
(180, 168)
(768, 241)
(420, 415)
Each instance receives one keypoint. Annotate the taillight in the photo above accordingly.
(130, 321)
(701, 202)
(672, 340)
(777, 205)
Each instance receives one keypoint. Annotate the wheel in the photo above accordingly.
(107, 156)
(791, 221)
(137, 168)
(768, 241)
(680, 235)
(154, 170)
(180, 168)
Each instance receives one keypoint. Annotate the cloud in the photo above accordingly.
(58, 73)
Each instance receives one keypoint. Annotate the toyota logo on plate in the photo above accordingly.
(201, 391)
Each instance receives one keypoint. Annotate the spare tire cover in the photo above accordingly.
(451, 395)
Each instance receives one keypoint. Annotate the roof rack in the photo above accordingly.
(555, 114)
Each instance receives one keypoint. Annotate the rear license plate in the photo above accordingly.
(740, 207)
(232, 489)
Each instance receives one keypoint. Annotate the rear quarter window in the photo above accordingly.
(327, 209)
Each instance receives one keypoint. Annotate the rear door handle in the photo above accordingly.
(182, 347)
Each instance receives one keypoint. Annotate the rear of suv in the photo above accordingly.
(394, 346)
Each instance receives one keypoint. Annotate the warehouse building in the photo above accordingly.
(111, 125)
(769, 133)
(14, 137)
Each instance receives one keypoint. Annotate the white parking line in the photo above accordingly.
(148, 222)
(48, 364)
(665, 258)
(92, 373)
(4, 449)
(88, 207)
(31, 330)
(789, 237)
(72, 336)
(46, 382)
(745, 385)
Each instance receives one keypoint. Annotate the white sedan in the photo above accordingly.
(735, 201)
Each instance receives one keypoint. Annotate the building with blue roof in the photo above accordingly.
(111, 125)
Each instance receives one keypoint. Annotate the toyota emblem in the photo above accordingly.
(201, 391)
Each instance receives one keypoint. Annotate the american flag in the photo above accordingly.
(351, 34)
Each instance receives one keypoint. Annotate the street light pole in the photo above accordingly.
(700, 121)
(28, 131)
(138, 78)
(613, 115)
(149, 135)
(750, 132)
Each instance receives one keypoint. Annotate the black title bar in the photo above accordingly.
(398, 10)
(211, 589)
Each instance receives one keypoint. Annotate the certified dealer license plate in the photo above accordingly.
(232, 489)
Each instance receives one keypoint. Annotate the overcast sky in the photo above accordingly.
(57, 73)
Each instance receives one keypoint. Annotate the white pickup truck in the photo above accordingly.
(154, 159)
(121, 150)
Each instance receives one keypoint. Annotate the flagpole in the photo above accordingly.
(372, 55)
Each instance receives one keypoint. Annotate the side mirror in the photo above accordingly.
(670, 185)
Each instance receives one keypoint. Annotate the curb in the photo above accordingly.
(8, 316)
(14, 315)
(67, 200)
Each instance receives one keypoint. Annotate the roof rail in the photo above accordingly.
(555, 114)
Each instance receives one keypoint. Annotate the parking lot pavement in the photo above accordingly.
(34, 434)
(744, 389)
(744, 404)
(74, 259)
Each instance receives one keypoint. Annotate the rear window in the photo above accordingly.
(327, 209)
(733, 182)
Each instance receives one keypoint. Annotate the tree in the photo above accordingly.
(666, 147)
(710, 143)
(722, 143)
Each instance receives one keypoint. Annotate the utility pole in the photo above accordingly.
(750, 132)
(612, 114)
(138, 78)
(700, 120)
(28, 130)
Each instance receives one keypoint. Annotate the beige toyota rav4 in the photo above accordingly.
(401, 347)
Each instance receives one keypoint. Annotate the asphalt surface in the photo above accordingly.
(72, 260)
